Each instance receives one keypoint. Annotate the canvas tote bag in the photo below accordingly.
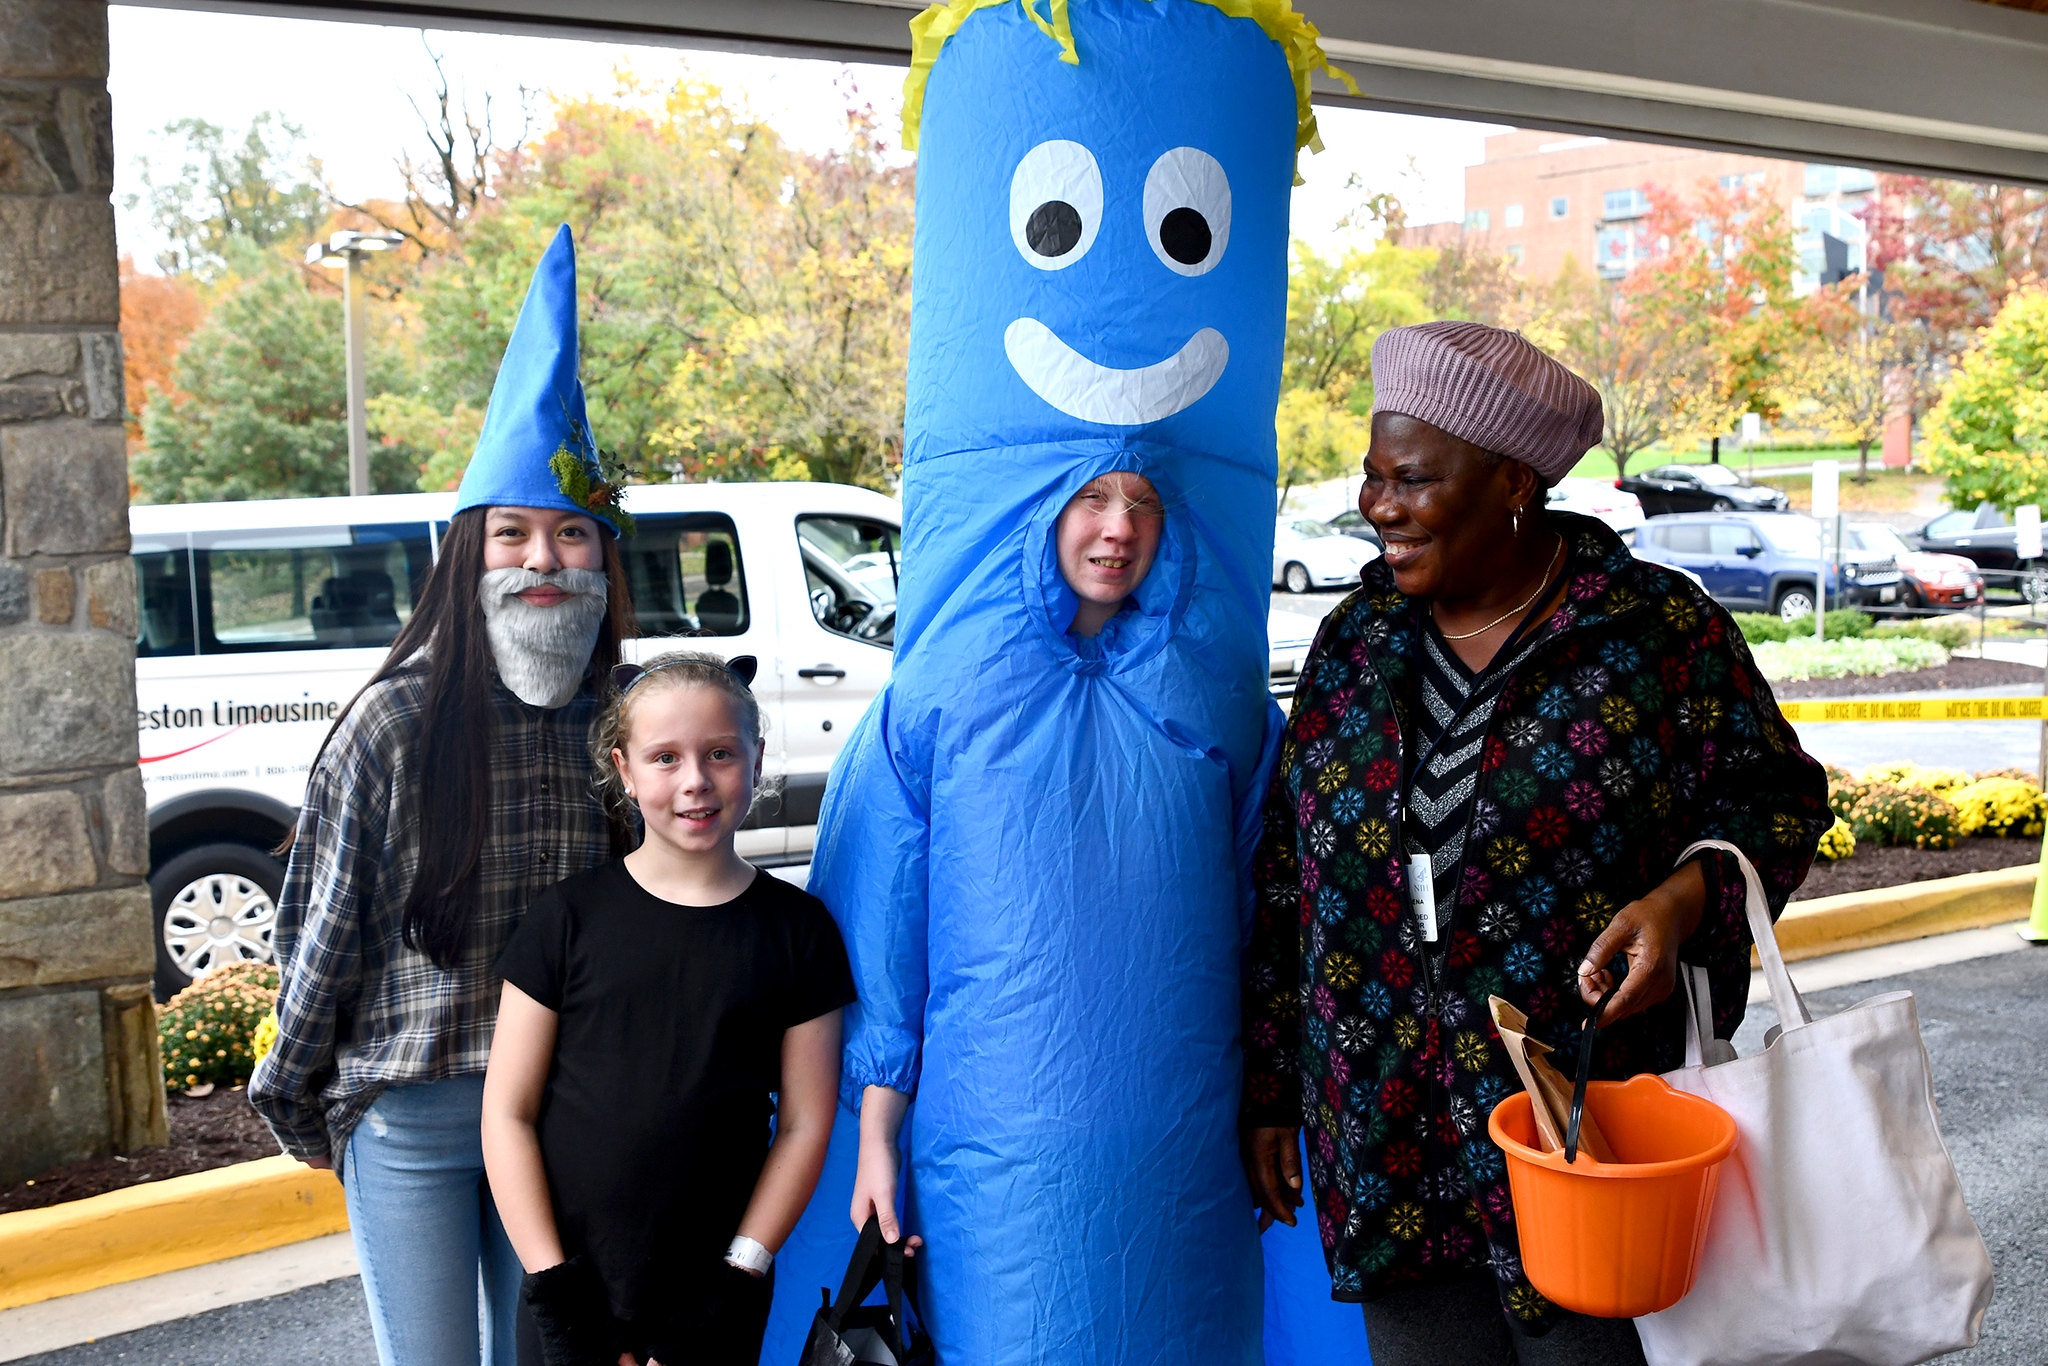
(1839, 1235)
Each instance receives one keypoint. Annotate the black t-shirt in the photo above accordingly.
(669, 1043)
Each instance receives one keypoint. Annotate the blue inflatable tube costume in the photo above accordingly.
(1036, 844)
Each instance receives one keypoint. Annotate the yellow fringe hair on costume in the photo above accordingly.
(1298, 38)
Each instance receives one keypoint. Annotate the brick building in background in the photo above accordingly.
(1540, 198)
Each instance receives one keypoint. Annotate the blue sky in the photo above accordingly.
(346, 85)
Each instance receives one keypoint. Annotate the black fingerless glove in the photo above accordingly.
(572, 1314)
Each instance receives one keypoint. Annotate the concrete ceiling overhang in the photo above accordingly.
(1946, 87)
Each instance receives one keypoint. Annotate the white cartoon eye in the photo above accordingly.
(1187, 210)
(1055, 204)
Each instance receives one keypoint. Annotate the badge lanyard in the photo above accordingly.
(1421, 873)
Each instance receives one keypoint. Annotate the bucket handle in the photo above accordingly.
(1619, 967)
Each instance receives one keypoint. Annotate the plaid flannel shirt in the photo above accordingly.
(357, 1010)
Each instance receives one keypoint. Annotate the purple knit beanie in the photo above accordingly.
(1491, 388)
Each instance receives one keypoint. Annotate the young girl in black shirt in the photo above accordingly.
(651, 1007)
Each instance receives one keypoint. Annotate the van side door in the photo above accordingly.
(837, 650)
(696, 587)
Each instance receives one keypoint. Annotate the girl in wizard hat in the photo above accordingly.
(451, 792)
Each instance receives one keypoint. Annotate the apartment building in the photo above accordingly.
(1540, 198)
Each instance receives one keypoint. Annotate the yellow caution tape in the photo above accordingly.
(1918, 709)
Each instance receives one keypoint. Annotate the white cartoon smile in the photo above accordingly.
(1081, 388)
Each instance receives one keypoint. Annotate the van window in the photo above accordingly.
(305, 588)
(686, 575)
(308, 588)
(851, 571)
(163, 596)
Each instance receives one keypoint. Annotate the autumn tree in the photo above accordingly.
(1988, 434)
(1715, 301)
(158, 314)
(1858, 364)
(634, 182)
(231, 198)
(1317, 439)
(1951, 251)
(259, 408)
(802, 373)
(1643, 362)
(1338, 305)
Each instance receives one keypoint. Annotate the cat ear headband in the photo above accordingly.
(742, 667)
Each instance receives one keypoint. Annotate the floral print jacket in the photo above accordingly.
(1637, 724)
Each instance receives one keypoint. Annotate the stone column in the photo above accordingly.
(78, 1059)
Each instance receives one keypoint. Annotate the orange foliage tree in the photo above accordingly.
(158, 312)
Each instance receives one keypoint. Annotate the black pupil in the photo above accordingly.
(1185, 235)
(1054, 228)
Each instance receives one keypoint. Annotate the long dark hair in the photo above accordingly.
(452, 745)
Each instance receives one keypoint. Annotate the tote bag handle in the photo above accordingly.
(874, 1262)
(1792, 1012)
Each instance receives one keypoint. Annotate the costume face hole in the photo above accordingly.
(1055, 204)
(1185, 235)
(1187, 210)
(1054, 228)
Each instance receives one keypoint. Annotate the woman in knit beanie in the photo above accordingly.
(1501, 742)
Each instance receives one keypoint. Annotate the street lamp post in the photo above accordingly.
(346, 251)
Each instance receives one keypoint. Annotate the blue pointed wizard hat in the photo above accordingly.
(536, 449)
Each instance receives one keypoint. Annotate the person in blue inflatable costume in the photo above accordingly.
(1037, 840)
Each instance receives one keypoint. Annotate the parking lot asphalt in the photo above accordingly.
(1984, 1025)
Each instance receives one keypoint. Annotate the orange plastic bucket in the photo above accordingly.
(1617, 1239)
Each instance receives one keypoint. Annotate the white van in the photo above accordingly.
(260, 620)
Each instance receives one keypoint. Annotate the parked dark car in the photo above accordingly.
(1352, 523)
(1767, 561)
(1701, 488)
(1985, 539)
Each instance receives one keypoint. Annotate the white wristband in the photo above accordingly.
(749, 1256)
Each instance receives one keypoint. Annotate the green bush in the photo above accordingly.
(1879, 813)
(1951, 633)
(1768, 627)
(1800, 658)
(207, 1032)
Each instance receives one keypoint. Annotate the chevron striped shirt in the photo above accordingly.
(1453, 706)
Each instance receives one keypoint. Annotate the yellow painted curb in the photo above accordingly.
(164, 1225)
(1890, 915)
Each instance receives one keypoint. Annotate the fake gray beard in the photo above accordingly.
(542, 653)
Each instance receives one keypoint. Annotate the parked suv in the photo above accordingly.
(260, 620)
(1766, 561)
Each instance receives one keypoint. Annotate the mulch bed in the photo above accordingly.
(1957, 673)
(206, 1132)
(1878, 866)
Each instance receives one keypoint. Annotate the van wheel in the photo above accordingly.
(215, 904)
(1795, 602)
(1295, 576)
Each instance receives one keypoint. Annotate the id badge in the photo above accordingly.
(1422, 895)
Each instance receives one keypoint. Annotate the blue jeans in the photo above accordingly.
(440, 1275)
